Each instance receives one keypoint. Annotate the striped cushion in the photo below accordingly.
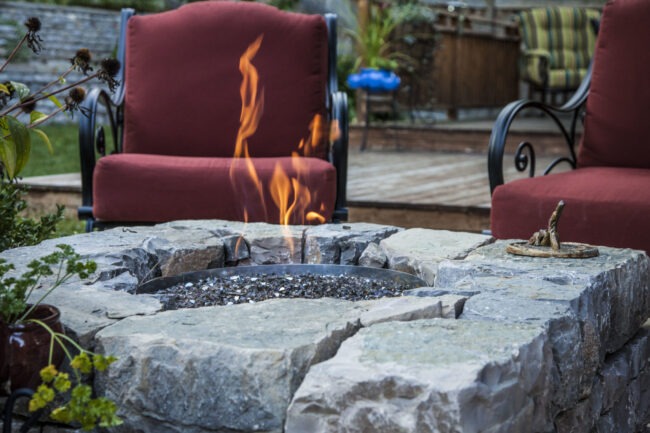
(567, 36)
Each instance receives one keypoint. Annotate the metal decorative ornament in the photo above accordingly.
(546, 242)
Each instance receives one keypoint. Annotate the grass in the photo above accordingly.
(65, 159)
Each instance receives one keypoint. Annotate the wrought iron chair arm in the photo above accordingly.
(92, 141)
(339, 152)
(508, 114)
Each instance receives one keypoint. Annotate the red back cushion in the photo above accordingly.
(617, 125)
(183, 81)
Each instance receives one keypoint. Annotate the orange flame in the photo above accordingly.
(289, 194)
(251, 112)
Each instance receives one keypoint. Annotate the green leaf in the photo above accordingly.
(35, 116)
(45, 139)
(4, 89)
(23, 142)
(22, 91)
(8, 156)
(55, 100)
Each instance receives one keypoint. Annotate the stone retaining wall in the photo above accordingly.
(495, 343)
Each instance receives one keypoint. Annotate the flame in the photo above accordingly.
(252, 108)
(292, 198)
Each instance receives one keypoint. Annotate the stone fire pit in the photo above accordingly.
(496, 343)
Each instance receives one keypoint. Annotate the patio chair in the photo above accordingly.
(187, 140)
(607, 194)
(558, 46)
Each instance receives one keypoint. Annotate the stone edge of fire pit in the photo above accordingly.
(570, 310)
(541, 345)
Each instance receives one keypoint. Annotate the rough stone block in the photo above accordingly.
(373, 257)
(342, 243)
(429, 375)
(220, 368)
(419, 251)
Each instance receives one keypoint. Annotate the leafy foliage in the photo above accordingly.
(69, 404)
(15, 292)
(16, 230)
(74, 404)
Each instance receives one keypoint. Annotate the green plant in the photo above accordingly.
(15, 292)
(372, 36)
(16, 136)
(75, 404)
(18, 231)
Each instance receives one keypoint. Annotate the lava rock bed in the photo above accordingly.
(239, 289)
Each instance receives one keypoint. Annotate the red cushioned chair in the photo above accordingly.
(607, 195)
(178, 116)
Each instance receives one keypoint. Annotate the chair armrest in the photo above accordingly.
(535, 66)
(525, 154)
(339, 152)
(92, 140)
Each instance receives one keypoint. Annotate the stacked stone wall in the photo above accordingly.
(65, 29)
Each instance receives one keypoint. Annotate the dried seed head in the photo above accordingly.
(74, 98)
(81, 60)
(33, 25)
(108, 71)
(111, 67)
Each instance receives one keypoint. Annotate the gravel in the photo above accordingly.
(241, 289)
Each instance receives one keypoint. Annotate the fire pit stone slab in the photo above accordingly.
(428, 375)
(343, 244)
(613, 288)
(589, 369)
(588, 315)
(419, 251)
(238, 366)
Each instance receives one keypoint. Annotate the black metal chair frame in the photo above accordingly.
(524, 157)
(92, 137)
(7, 412)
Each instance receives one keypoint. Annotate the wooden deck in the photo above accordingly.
(437, 178)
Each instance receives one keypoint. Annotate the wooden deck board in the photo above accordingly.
(417, 177)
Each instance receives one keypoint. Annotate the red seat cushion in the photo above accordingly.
(156, 188)
(617, 124)
(183, 79)
(604, 206)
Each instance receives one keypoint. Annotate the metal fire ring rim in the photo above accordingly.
(398, 277)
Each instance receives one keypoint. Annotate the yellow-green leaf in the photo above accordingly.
(45, 139)
(4, 89)
(35, 116)
(22, 141)
(55, 100)
(8, 156)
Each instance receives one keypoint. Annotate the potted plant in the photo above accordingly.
(32, 339)
(33, 344)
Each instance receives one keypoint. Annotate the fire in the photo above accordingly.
(289, 194)
(252, 108)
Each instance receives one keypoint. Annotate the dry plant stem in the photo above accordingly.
(48, 117)
(40, 98)
(43, 119)
(52, 83)
(13, 53)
